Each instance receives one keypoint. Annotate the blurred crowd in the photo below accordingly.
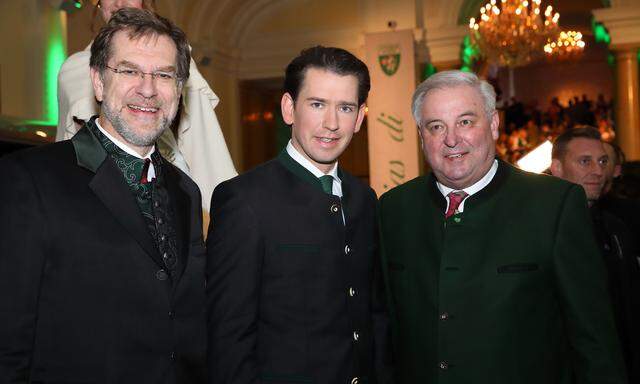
(526, 125)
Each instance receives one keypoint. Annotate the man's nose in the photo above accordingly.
(598, 169)
(147, 86)
(331, 119)
(451, 137)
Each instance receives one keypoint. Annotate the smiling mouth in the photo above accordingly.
(455, 156)
(142, 109)
(327, 139)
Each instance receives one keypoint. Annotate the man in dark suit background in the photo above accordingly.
(493, 272)
(294, 289)
(579, 156)
(101, 250)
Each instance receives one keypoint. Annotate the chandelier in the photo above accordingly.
(568, 45)
(513, 32)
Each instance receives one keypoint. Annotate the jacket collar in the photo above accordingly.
(299, 170)
(89, 152)
(302, 173)
(501, 176)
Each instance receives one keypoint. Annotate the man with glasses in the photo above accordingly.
(101, 251)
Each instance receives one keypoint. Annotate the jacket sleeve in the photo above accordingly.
(234, 254)
(581, 283)
(22, 260)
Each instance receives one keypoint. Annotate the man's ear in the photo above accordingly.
(287, 106)
(556, 168)
(420, 135)
(617, 171)
(97, 82)
(360, 119)
(495, 125)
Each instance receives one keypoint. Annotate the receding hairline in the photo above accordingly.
(149, 35)
(446, 87)
(450, 80)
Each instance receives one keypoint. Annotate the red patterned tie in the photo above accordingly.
(145, 172)
(455, 198)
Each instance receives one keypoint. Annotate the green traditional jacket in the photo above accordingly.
(512, 290)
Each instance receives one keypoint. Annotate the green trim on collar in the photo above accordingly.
(299, 170)
(89, 151)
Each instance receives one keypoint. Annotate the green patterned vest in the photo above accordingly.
(152, 198)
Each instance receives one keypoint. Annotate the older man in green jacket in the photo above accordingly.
(493, 273)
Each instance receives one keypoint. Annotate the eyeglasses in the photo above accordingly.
(130, 74)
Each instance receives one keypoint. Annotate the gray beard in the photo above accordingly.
(140, 139)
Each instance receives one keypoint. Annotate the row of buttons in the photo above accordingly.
(443, 365)
(162, 275)
(352, 292)
(169, 260)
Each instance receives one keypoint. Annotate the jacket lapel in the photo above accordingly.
(110, 187)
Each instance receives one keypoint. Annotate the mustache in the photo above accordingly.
(145, 103)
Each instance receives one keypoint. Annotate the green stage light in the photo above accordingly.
(55, 56)
(429, 70)
(468, 54)
(600, 32)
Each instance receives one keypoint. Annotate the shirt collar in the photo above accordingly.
(151, 173)
(297, 156)
(476, 187)
(123, 146)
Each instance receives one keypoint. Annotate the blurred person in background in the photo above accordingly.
(580, 157)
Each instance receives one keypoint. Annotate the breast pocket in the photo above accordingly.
(518, 268)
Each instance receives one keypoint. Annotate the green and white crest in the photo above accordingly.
(389, 58)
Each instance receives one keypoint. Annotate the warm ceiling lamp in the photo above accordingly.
(512, 32)
(568, 45)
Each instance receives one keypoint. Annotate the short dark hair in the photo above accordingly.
(140, 23)
(336, 60)
(562, 142)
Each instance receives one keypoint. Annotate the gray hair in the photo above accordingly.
(140, 23)
(451, 79)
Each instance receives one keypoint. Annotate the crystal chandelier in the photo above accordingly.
(568, 45)
(513, 32)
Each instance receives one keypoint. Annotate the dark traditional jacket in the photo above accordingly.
(512, 290)
(620, 250)
(84, 295)
(294, 295)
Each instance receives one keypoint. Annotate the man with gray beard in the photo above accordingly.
(101, 249)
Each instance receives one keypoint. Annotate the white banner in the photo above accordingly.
(393, 136)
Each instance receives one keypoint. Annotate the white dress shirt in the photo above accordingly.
(475, 188)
